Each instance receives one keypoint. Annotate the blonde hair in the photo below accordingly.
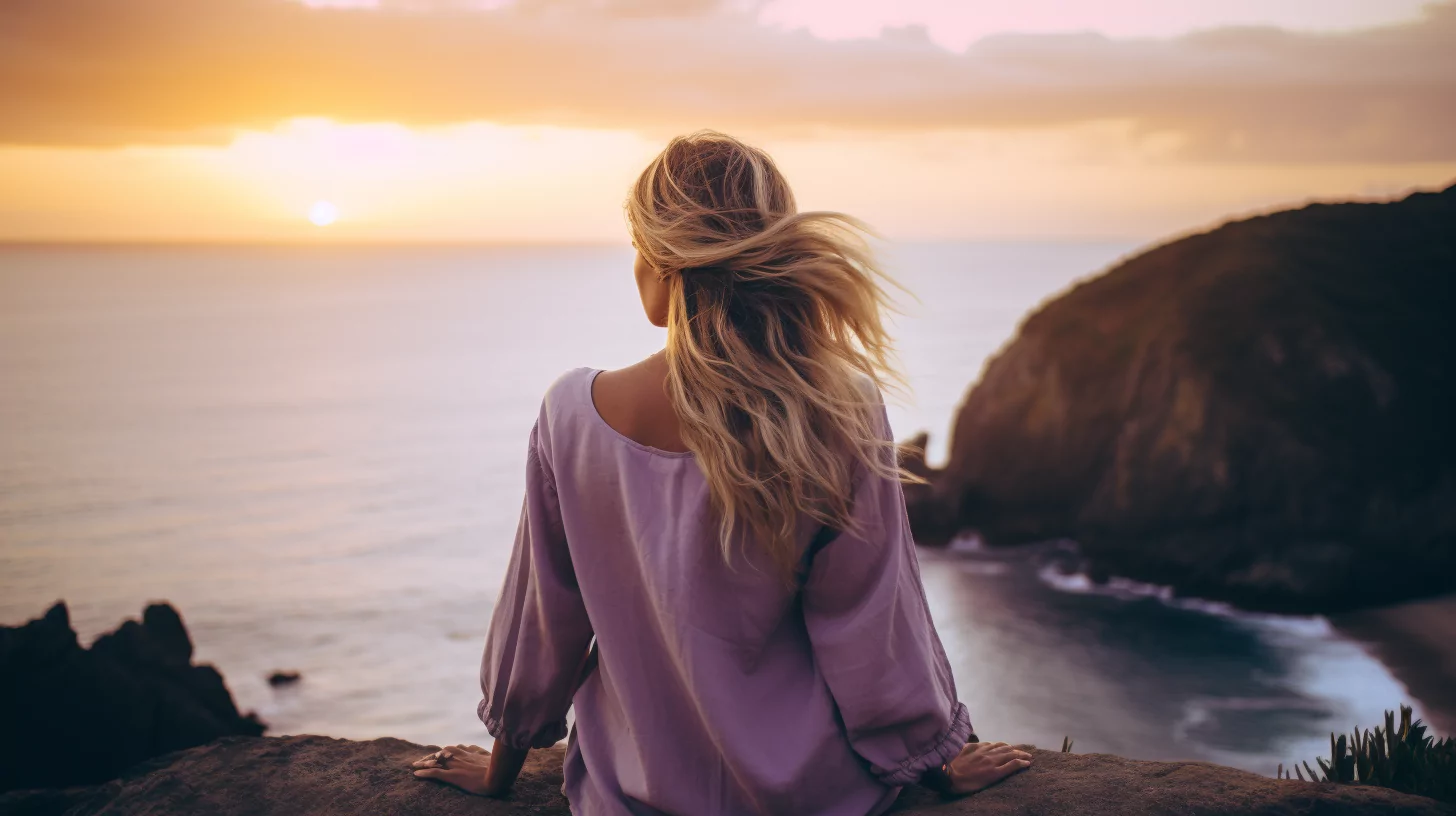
(773, 325)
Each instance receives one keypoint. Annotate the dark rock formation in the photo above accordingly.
(79, 716)
(1261, 414)
(323, 777)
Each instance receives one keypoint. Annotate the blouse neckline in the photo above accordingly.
(591, 407)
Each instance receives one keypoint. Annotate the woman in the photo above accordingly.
(713, 562)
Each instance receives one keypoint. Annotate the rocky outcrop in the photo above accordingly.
(77, 720)
(321, 777)
(1259, 414)
(80, 716)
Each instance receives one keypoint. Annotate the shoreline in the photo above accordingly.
(1417, 642)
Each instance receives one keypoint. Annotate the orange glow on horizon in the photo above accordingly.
(513, 184)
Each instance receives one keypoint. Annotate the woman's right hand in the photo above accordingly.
(982, 764)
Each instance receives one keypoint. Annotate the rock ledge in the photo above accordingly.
(321, 776)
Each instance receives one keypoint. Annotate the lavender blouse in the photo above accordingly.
(699, 688)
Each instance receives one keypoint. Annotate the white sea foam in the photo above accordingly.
(967, 543)
(1056, 577)
(1053, 576)
(984, 567)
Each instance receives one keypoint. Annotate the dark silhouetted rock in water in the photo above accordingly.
(320, 776)
(80, 716)
(283, 678)
(1261, 414)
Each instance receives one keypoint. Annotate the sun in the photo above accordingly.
(323, 213)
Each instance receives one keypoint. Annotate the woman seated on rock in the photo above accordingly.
(713, 562)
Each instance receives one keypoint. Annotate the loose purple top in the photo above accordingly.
(699, 688)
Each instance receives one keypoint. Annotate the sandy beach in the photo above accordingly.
(1417, 641)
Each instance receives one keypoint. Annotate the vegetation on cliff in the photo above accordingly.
(1406, 759)
(1260, 413)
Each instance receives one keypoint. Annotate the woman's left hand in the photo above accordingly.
(463, 766)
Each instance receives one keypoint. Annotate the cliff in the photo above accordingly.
(1260, 414)
(322, 777)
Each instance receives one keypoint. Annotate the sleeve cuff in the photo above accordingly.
(543, 737)
(942, 750)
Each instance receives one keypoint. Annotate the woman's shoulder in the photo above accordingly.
(561, 405)
(566, 395)
(569, 386)
(867, 387)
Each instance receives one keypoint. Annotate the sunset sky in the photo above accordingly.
(493, 120)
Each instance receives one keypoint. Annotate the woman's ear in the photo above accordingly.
(654, 288)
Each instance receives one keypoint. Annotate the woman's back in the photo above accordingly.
(713, 562)
(712, 687)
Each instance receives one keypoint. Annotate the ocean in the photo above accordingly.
(317, 455)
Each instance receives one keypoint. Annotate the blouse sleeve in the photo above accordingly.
(875, 643)
(539, 634)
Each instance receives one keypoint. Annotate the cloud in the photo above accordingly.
(101, 72)
(624, 9)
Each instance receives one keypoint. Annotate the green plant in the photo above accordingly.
(1406, 759)
(1066, 745)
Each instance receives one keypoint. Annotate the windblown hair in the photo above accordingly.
(774, 336)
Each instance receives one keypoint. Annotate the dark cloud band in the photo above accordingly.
(106, 72)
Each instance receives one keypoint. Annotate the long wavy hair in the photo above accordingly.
(774, 337)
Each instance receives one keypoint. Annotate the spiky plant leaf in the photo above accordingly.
(1404, 757)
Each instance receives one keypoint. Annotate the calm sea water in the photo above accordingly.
(317, 455)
